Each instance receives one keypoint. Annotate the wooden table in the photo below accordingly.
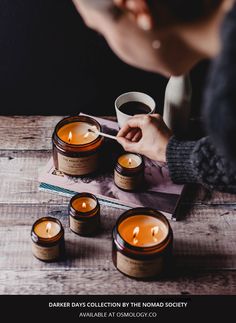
(204, 246)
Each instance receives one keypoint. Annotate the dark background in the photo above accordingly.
(51, 63)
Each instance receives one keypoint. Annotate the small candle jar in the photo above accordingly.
(47, 236)
(129, 172)
(76, 150)
(142, 243)
(84, 214)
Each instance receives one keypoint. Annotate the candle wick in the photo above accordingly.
(90, 130)
(70, 137)
(48, 229)
(154, 231)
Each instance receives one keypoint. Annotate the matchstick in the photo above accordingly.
(102, 134)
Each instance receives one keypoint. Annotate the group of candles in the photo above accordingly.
(142, 237)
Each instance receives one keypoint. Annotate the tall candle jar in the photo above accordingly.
(47, 236)
(129, 172)
(142, 243)
(76, 150)
(84, 214)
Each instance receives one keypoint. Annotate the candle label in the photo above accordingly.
(128, 183)
(139, 268)
(84, 227)
(78, 165)
(46, 253)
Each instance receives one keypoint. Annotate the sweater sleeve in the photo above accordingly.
(198, 162)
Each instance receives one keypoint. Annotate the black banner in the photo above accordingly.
(105, 308)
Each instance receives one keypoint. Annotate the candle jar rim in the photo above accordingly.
(128, 171)
(45, 241)
(144, 249)
(87, 214)
(72, 119)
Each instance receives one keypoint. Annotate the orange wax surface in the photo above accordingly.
(130, 160)
(84, 204)
(143, 230)
(77, 133)
(47, 229)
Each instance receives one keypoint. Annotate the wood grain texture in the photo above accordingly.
(111, 282)
(31, 132)
(204, 238)
(204, 241)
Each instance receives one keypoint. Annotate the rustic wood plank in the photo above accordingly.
(36, 121)
(202, 196)
(111, 282)
(204, 241)
(19, 178)
(27, 132)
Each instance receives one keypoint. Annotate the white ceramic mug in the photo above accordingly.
(122, 117)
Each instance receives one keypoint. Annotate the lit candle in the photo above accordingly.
(76, 150)
(84, 204)
(130, 160)
(129, 172)
(77, 133)
(47, 239)
(142, 243)
(84, 214)
(143, 230)
(47, 229)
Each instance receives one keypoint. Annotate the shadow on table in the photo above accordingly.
(193, 194)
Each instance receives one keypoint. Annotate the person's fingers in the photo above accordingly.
(131, 134)
(137, 121)
(124, 131)
(157, 116)
(137, 137)
(128, 145)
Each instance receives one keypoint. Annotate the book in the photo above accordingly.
(159, 192)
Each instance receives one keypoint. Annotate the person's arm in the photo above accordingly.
(198, 162)
(188, 161)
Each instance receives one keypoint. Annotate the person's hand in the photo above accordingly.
(147, 135)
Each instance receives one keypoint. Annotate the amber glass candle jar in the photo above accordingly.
(129, 172)
(47, 236)
(84, 214)
(76, 150)
(142, 243)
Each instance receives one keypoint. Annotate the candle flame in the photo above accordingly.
(135, 233)
(70, 136)
(84, 205)
(130, 161)
(86, 135)
(154, 232)
(48, 228)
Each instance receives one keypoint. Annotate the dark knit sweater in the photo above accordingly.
(211, 161)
